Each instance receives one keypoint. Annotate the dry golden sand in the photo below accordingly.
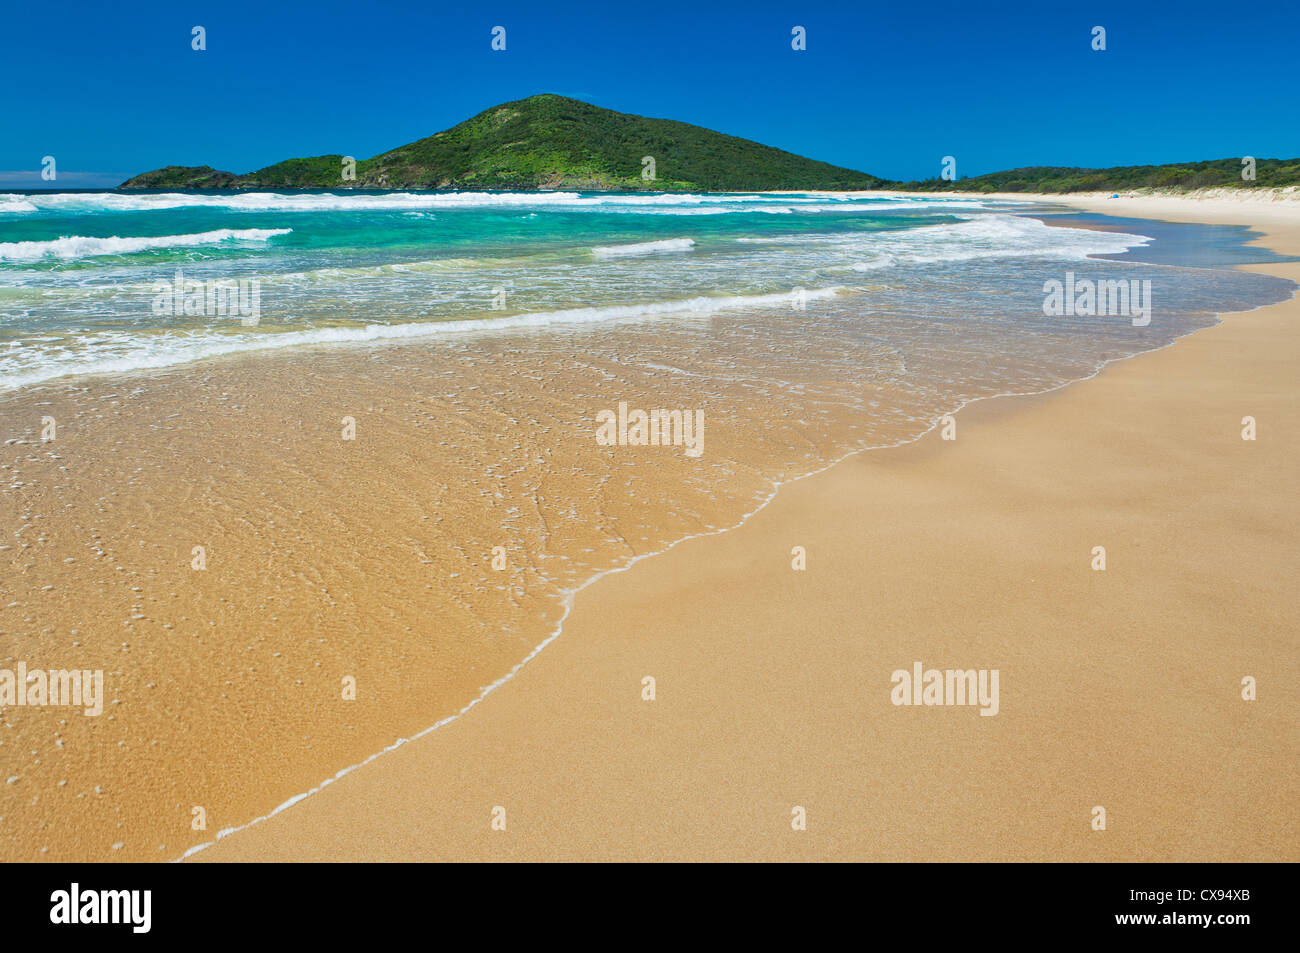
(1118, 688)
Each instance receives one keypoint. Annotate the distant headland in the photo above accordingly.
(554, 142)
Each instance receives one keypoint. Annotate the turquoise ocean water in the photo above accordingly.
(82, 274)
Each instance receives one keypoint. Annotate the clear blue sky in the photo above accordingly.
(886, 87)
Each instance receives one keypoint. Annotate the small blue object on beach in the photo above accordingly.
(1115, 196)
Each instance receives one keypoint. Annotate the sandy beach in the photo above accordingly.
(1119, 689)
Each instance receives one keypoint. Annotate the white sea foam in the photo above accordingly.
(15, 203)
(118, 352)
(79, 246)
(293, 202)
(666, 203)
(983, 236)
(644, 248)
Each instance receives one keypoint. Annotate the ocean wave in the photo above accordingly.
(15, 203)
(292, 202)
(667, 202)
(989, 235)
(123, 351)
(707, 210)
(79, 246)
(643, 248)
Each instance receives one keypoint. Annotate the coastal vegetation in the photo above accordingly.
(1213, 173)
(545, 142)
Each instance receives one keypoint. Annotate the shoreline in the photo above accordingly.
(258, 840)
(569, 596)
